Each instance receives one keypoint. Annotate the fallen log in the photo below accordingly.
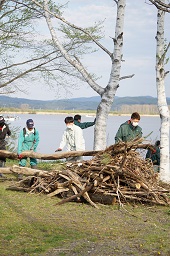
(116, 149)
(86, 189)
(15, 188)
(28, 171)
(7, 154)
(59, 155)
(32, 154)
(5, 170)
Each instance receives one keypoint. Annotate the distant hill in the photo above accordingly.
(83, 103)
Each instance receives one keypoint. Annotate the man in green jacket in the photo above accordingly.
(84, 125)
(129, 130)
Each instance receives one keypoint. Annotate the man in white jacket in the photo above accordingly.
(72, 138)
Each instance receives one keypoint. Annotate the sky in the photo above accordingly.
(139, 49)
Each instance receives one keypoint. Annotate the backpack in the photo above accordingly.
(24, 131)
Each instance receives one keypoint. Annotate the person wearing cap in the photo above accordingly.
(28, 140)
(83, 125)
(129, 130)
(4, 131)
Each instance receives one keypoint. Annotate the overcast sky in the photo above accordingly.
(139, 48)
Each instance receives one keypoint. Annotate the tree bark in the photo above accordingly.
(107, 97)
(162, 103)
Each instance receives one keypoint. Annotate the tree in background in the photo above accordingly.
(25, 56)
(161, 50)
(86, 36)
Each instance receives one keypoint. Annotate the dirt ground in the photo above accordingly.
(139, 230)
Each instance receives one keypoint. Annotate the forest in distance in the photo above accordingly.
(121, 105)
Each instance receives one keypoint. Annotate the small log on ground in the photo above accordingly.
(28, 171)
(5, 170)
(15, 188)
(103, 198)
(86, 189)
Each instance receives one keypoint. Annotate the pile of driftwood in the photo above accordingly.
(118, 174)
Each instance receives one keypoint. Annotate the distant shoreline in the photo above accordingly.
(88, 114)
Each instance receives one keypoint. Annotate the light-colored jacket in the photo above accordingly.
(73, 139)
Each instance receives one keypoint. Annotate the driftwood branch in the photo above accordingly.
(87, 188)
(117, 148)
(55, 156)
(15, 169)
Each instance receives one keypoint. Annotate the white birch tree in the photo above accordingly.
(161, 50)
(107, 94)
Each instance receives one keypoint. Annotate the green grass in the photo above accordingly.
(32, 224)
(29, 224)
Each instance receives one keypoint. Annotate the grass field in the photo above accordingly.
(32, 224)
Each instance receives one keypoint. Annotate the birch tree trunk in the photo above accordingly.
(162, 104)
(107, 94)
(110, 91)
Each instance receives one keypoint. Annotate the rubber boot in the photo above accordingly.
(34, 166)
(2, 164)
(20, 175)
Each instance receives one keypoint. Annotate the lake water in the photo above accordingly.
(51, 128)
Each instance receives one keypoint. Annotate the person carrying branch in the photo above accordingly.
(4, 132)
(28, 140)
(72, 138)
(84, 125)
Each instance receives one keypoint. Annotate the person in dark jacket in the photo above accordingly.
(4, 131)
(129, 130)
(84, 125)
(154, 155)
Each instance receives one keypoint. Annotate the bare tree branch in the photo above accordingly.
(74, 62)
(124, 77)
(161, 5)
(76, 27)
(1, 3)
(26, 72)
(26, 62)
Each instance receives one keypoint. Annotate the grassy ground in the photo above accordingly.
(32, 224)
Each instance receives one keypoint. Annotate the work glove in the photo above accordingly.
(58, 149)
(20, 156)
(153, 151)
